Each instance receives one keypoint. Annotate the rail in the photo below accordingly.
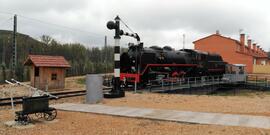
(60, 95)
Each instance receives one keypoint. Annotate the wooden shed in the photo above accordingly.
(47, 71)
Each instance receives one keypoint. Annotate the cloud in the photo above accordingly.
(41, 6)
(159, 22)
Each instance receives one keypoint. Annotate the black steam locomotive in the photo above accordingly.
(141, 64)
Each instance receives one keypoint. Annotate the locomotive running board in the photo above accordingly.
(137, 76)
(167, 65)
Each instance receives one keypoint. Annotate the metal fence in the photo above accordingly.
(262, 81)
(211, 82)
(184, 83)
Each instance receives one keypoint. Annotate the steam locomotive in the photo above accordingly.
(142, 64)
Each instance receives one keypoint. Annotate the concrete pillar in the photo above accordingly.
(94, 91)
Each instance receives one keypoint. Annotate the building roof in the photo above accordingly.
(218, 36)
(47, 61)
(234, 40)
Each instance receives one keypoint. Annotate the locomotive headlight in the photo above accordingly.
(133, 61)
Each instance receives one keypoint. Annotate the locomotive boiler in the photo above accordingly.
(143, 64)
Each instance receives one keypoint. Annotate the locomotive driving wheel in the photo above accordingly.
(50, 115)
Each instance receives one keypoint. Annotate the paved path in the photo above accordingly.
(171, 115)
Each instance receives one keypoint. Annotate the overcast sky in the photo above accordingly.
(158, 22)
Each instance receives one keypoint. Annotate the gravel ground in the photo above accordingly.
(71, 83)
(75, 123)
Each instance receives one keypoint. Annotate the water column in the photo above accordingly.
(116, 90)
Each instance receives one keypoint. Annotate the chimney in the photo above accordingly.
(249, 45)
(242, 42)
(254, 47)
(258, 49)
(265, 53)
(217, 32)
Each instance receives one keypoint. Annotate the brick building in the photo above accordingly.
(234, 51)
(47, 71)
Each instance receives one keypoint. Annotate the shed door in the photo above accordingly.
(36, 77)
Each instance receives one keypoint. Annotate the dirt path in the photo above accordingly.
(74, 123)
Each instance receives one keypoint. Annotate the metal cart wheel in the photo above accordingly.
(24, 119)
(50, 115)
(39, 115)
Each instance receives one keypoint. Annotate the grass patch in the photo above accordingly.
(80, 80)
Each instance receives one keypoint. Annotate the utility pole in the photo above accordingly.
(184, 36)
(3, 65)
(3, 53)
(105, 57)
(105, 41)
(14, 49)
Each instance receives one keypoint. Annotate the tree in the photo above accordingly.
(46, 39)
(83, 60)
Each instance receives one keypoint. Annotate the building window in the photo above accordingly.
(36, 71)
(54, 77)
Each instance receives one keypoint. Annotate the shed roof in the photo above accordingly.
(47, 61)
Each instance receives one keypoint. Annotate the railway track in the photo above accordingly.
(60, 95)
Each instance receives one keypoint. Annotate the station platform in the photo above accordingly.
(171, 115)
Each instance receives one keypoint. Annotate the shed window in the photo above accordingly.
(54, 77)
(36, 71)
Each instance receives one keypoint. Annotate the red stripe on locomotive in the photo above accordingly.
(136, 77)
